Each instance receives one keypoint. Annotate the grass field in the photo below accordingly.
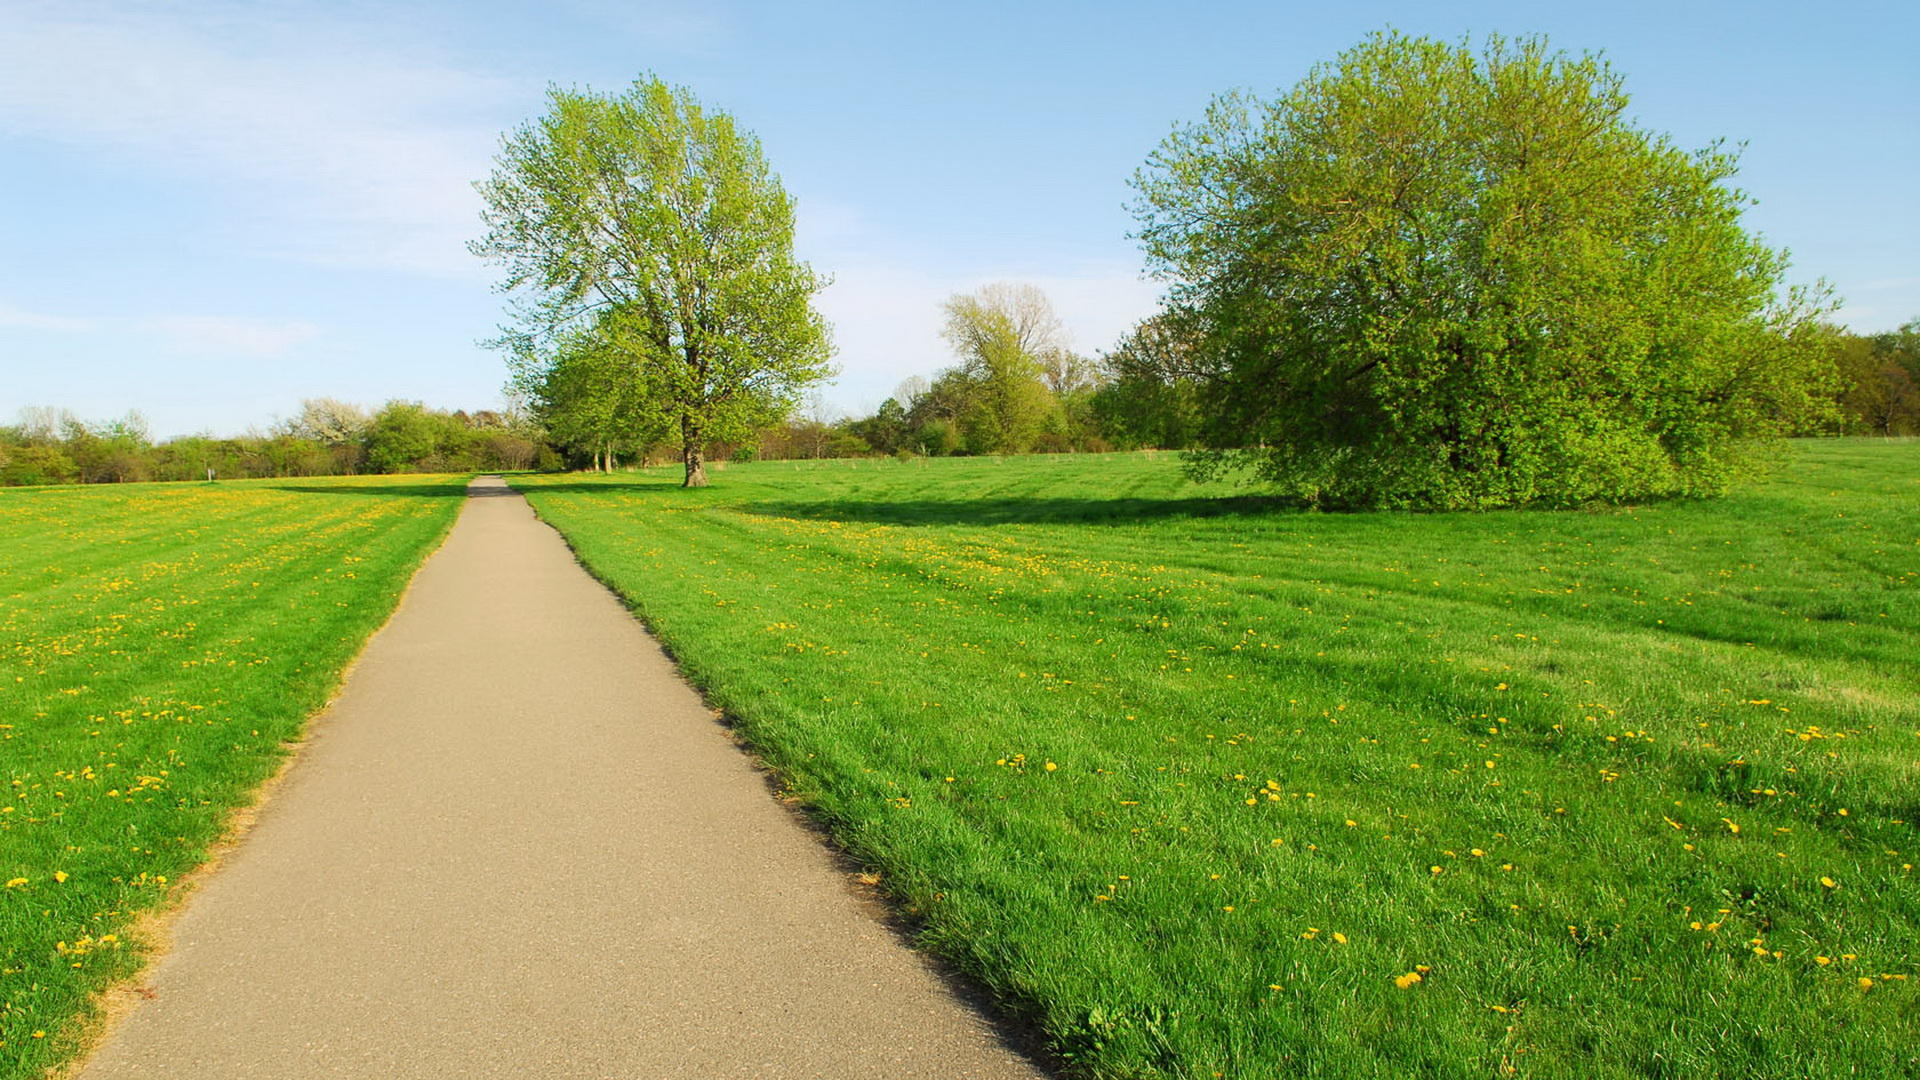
(1205, 787)
(162, 643)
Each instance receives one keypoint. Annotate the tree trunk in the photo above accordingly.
(691, 450)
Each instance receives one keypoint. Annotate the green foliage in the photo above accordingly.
(400, 434)
(656, 226)
(886, 430)
(1002, 334)
(593, 396)
(1880, 381)
(1151, 395)
(1428, 277)
(1233, 859)
(36, 464)
(328, 438)
(165, 646)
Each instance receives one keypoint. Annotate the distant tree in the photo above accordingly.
(112, 452)
(1151, 393)
(402, 437)
(661, 220)
(1001, 334)
(910, 391)
(592, 394)
(1880, 380)
(1433, 277)
(328, 422)
(37, 463)
(886, 430)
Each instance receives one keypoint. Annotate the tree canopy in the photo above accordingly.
(649, 242)
(1439, 277)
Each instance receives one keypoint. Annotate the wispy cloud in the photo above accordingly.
(33, 320)
(232, 336)
(346, 149)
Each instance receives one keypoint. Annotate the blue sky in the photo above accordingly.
(212, 210)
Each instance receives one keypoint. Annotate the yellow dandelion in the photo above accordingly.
(1829, 883)
(1407, 980)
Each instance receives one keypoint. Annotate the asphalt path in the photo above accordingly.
(519, 845)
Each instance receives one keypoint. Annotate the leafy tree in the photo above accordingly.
(401, 436)
(328, 421)
(37, 463)
(1433, 277)
(592, 394)
(108, 453)
(1001, 334)
(1880, 379)
(886, 430)
(1150, 396)
(660, 220)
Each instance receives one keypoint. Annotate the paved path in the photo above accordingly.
(518, 845)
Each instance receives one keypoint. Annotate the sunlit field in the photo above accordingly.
(1202, 786)
(162, 644)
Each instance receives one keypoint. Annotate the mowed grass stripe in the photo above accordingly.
(1298, 759)
(163, 645)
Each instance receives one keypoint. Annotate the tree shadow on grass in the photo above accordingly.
(1028, 510)
(412, 491)
(926, 511)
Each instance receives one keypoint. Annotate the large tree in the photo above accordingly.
(656, 226)
(1434, 276)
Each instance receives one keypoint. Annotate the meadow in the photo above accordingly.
(1203, 786)
(163, 646)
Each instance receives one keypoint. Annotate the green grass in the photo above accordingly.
(1189, 780)
(160, 644)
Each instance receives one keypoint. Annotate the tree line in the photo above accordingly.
(1015, 388)
(326, 438)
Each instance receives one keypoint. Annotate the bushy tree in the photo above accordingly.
(1002, 334)
(1429, 276)
(328, 421)
(402, 436)
(1880, 381)
(886, 430)
(660, 221)
(1149, 397)
(594, 396)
